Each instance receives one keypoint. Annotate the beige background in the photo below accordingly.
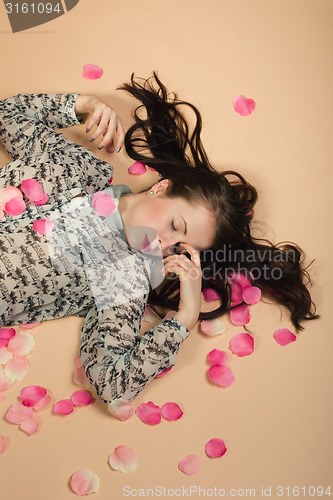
(276, 419)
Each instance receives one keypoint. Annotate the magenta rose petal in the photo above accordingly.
(236, 293)
(123, 459)
(137, 168)
(16, 368)
(15, 206)
(84, 481)
(163, 372)
(152, 169)
(110, 180)
(221, 375)
(171, 411)
(210, 294)
(5, 335)
(43, 226)
(82, 398)
(121, 409)
(149, 413)
(215, 447)
(284, 336)
(239, 279)
(242, 344)
(92, 72)
(3, 444)
(31, 394)
(104, 205)
(32, 189)
(63, 407)
(17, 413)
(28, 326)
(5, 382)
(240, 315)
(42, 403)
(243, 105)
(42, 201)
(30, 424)
(212, 327)
(217, 357)
(21, 344)
(190, 465)
(251, 294)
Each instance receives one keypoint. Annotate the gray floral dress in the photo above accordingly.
(40, 281)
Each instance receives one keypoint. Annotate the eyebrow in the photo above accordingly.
(185, 232)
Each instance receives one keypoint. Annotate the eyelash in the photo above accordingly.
(173, 225)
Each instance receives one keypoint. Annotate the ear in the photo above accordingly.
(161, 186)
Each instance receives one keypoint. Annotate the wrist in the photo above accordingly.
(188, 319)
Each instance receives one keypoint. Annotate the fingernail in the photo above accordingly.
(100, 147)
(91, 140)
(118, 149)
(87, 129)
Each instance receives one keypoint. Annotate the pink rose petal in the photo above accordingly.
(236, 293)
(3, 444)
(5, 335)
(63, 407)
(92, 72)
(32, 189)
(121, 409)
(104, 205)
(42, 201)
(146, 245)
(16, 368)
(163, 372)
(123, 459)
(170, 314)
(110, 180)
(78, 361)
(15, 206)
(30, 424)
(42, 403)
(28, 326)
(152, 169)
(171, 411)
(242, 105)
(5, 355)
(240, 279)
(5, 382)
(210, 294)
(7, 193)
(84, 481)
(31, 394)
(43, 226)
(240, 315)
(242, 344)
(149, 413)
(284, 336)
(17, 413)
(191, 464)
(82, 398)
(81, 378)
(221, 375)
(137, 168)
(149, 316)
(213, 327)
(215, 447)
(251, 294)
(217, 357)
(21, 344)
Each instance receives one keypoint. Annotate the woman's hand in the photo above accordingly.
(107, 120)
(190, 277)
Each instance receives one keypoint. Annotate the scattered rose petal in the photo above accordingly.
(16, 368)
(5, 335)
(146, 245)
(104, 204)
(149, 413)
(284, 336)
(5, 355)
(30, 424)
(17, 413)
(170, 314)
(221, 375)
(92, 72)
(15, 206)
(240, 315)
(163, 372)
(153, 169)
(213, 327)
(215, 447)
(32, 189)
(3, 444)
(137, 168)
(5, 382)
(78, 361)
(7, 194)
(217, 357)
(2, 214)
(27, 326)
(42, 403)
(82, 398)
(110, 180)
(120, 408)
(63, 407)
(190, 465)
(240, 279)
(242, 344)
(210, 294)
(171, 411)
(43, 226)
(251, 294)
(236, 293)
(31, 394)
(242, 105)
(149, 316)
(123, 459)
(83, 482)
(21, 344)
(81, 378)
(42, 201)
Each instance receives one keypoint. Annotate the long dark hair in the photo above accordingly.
(161, 139)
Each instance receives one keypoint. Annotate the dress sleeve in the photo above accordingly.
(117, 362)
(27, 122)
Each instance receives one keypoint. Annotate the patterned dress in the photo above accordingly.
(117, 361)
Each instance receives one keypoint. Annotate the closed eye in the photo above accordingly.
(173, 225)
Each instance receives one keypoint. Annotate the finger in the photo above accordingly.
(108, 134)
(195, 256)
(121, 134)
